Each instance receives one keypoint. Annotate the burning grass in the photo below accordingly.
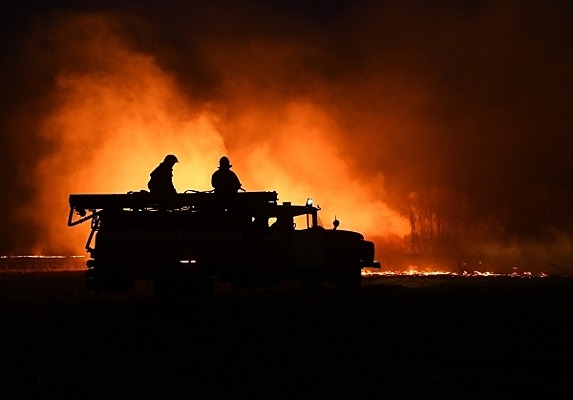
(32, 263)
(27, 264)
(415, 272)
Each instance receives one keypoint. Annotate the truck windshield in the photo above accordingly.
(304, 221)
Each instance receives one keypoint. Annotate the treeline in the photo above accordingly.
(442, 219)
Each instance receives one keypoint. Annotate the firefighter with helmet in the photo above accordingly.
(161, 178)
(225, 184)
(224, 181)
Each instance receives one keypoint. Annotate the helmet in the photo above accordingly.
(224, 162)
(170, 159)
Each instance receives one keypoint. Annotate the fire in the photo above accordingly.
(115, 113)
(35, 263)
(414, 271)
(115, 109)
(47, 263)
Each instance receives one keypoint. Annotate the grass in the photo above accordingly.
(27, 264)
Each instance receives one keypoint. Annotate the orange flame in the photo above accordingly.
(116, 116)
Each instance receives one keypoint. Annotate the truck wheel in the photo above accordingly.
(349, 279)
(312, 281)
(194, 290)
(164, 287)
(184, 288)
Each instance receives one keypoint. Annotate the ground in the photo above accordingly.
(400, 338)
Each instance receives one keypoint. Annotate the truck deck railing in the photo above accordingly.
(84, 207)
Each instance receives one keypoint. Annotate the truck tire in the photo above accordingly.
(348, 277)
(182, 287)
(194, 290)
(313, 281)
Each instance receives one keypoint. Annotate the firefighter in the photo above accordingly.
(161, 181)
(225, 181)
(225, 184)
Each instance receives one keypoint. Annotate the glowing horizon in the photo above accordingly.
(112, 124)
(418, 127)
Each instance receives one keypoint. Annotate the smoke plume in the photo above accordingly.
(363, 106)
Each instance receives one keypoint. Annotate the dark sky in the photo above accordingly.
(475, 96)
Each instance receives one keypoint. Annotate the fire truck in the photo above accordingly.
(183, 243)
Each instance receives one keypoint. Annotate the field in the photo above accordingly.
(401, 338)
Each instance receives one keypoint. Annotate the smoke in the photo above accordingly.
(114, 114)
(354, 103)
(112, 117)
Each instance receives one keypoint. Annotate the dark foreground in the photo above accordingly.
(402, 338)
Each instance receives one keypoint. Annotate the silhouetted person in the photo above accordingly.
(161, 181)
(225, 182)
